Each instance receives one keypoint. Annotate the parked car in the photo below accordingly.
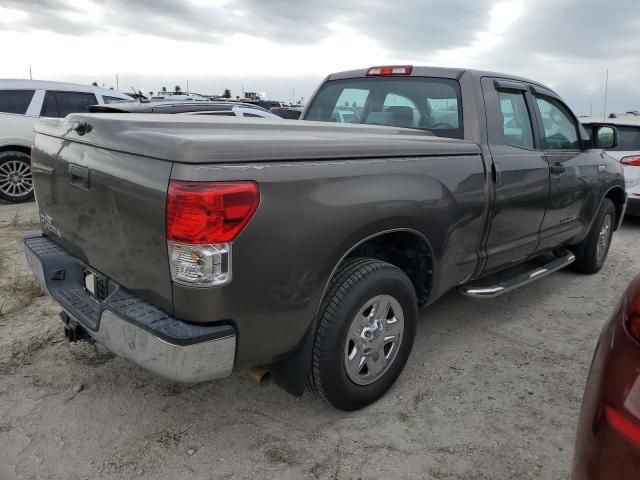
(21, 103)
(220, 109)
(608, 438)
(627, 152)
(302, 250)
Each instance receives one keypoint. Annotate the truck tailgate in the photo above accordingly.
(108, 209)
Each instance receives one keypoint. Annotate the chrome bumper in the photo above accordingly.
(197, 362)
(129, 326)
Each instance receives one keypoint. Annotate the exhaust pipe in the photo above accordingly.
(260, 375)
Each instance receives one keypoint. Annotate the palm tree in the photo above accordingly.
(95, 84)
(164, 89)
(177, 89)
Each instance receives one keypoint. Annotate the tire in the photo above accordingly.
(592, 252)
(347, 327)
(16, 182)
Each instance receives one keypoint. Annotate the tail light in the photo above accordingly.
(633, 160)
(203, 218)
(623, 425)
(390, 70)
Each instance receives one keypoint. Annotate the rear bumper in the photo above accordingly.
(633, 206)
(127, 325)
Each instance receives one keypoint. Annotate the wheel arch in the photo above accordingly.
(291, 372)
(619, 198)
(16, 148)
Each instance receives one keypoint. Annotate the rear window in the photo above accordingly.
(15, 101)
(628, 139)
(107, 99)
(412, 102)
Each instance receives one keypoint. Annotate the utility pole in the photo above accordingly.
(30, 76)
(187, 87)
(591, 109)
(117, 83)
(606, 91)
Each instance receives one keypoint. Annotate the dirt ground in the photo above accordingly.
(491, 391)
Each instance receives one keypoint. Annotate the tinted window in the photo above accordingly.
(61, 104)
(252, 115)
(218, 114)
(560, 131)
(516, 122)
(108, 99)
(415, 102)
(628, 139)
(15, 101)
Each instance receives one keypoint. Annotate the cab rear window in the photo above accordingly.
(15, 101)
(417, 102)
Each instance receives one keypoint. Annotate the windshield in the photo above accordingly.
(412, 102)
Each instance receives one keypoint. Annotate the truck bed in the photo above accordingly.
(208, 139)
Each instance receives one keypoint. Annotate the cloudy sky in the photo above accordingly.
(285, 47)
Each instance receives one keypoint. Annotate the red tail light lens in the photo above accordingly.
(390, 70)
(623, 425)
(209, 212)
(631, 160)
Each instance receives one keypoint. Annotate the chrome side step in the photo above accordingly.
(504, 285)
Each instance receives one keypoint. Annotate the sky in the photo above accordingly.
(284, 48)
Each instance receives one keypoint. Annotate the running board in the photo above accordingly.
(504, 283)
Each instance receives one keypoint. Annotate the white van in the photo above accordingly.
(21, 103)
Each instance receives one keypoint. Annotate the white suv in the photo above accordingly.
(627, 153)
(21, 103)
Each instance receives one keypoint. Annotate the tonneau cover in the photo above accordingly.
(208, 139)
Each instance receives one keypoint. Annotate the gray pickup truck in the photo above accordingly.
(301, 250)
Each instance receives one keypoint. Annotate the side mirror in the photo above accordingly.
(605, 136)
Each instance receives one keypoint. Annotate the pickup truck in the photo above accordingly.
(301, 250)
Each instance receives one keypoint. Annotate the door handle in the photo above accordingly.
(496, 173)
(79, 176)
(558, 169)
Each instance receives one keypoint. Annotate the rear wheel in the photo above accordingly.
(592, 252)
(366, 328)
(16, 182)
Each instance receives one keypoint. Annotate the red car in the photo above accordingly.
(608, 439)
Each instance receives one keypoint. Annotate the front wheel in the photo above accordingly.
(592, 252)
(366, 328)
(16, 183)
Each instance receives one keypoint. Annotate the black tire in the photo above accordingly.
(589, 257)
(358, 281)
(16, 182)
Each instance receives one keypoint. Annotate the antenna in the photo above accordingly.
(606, 91)
(136, 96)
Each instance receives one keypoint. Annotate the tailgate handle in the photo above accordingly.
(79, 176)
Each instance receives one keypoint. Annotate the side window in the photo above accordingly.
(516, 122)
(560, 131)
(50, 106)
(246, 114)
(108, 99)
(405, 112)
(15, 101)
(72, 102)
(444, 112)
(350, 105)
(61, 104)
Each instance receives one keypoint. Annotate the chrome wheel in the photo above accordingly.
(603, 238)
(15, 178)
(374, 339)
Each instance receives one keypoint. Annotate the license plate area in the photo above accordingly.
(95, 284)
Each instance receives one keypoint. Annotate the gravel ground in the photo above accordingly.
(491, 391)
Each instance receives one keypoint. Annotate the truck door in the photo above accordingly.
(520, 173)
(574, 175)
